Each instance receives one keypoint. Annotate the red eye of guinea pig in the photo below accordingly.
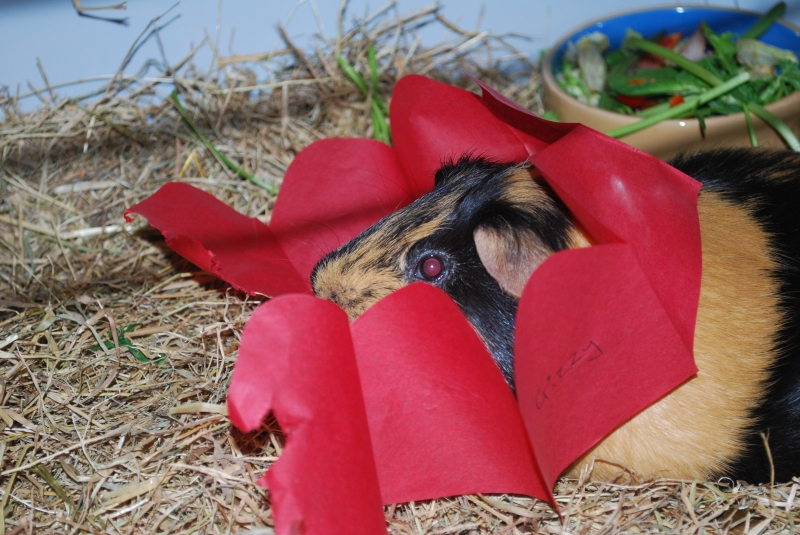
(430, 268)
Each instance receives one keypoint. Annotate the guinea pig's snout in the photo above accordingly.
(354, 290)
(348, 298)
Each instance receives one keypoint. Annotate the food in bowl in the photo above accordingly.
(711, 39)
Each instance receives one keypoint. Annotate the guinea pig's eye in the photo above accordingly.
(430, 267)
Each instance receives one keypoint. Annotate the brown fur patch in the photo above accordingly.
(522, 192)
(696, 431)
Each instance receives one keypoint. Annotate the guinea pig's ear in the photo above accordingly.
(510, 255)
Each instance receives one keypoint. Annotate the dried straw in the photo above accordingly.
(95, 440)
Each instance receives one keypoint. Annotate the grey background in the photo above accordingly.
(72, 47)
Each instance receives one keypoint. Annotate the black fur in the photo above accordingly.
(768, 183)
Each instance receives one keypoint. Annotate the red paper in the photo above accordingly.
(333, 190)
(442, 419)
(575, 387)
(240, 250)
(638, 200)
(601, 332)
(311, 384)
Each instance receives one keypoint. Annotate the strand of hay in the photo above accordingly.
(97, 437)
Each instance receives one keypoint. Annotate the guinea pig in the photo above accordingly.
(486, 226)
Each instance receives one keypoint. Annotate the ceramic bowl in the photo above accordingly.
(674, 136)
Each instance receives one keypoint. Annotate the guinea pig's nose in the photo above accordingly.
(348, 298)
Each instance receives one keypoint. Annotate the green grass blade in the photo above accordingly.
(380, 125)
(272, 190)
(377, 129)
(353, 75)
(373, 69)
(45, 474)
(378, 108)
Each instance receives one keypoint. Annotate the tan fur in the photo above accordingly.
(578, 238)
(696, 430)
(510, 260)
(520, 191)
(346, 288)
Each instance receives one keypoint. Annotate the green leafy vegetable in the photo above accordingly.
(653, 82)
(694, 68)
(682, 109)
(724, 48)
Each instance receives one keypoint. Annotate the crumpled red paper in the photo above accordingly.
(601, 332)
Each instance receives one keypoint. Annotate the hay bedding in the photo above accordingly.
(100, 439)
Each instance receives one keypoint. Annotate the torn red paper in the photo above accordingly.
(280, 368)
(601, 332)
(333, 190)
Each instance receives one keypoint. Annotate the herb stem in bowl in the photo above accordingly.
(779, 126)
(685, 108)
(765, 22)
(750, 130)
(677, 59)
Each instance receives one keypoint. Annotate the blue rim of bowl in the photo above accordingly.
(671, 19)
